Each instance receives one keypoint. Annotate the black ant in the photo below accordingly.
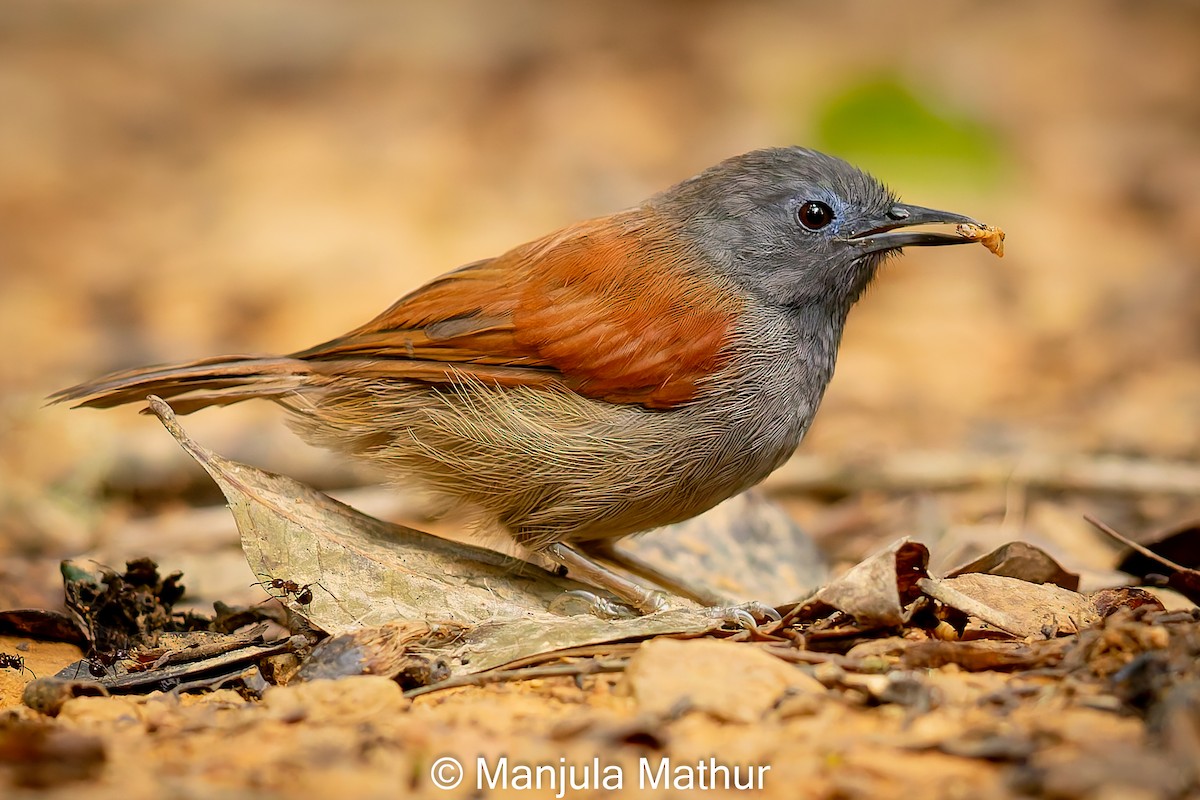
(302, 593)
(102, 664)
(12, 661)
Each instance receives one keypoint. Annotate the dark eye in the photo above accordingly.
(815, 215)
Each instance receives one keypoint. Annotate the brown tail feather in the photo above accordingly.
(208, 382)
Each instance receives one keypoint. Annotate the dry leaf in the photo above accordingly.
(1023, 561)
(876, 590)
(363, 572)
(1014, 606)
(397, 650)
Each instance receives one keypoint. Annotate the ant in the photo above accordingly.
(99, 663)
(12, 661)
(302, 593)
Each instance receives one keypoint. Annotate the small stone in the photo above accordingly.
(731, 681)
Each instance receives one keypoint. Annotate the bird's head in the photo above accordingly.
(796, 227)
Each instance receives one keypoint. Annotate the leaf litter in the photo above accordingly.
(426, 615)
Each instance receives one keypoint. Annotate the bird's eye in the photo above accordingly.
(815, 215)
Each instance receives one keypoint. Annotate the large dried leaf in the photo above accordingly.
(1024, 561)
(1015, 606)
(364, 572)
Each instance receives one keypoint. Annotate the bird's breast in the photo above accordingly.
(766, 397)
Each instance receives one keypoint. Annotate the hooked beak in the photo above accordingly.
(887, 233)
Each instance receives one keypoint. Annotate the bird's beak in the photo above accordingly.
(891, 231)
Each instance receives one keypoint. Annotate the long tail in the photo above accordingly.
(217, 381)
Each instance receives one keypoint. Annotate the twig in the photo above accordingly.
(590, 667)
(950, 596)
(583, 651)
(1132, 545)
(135, 681)
(794, 656)
(199, 652)
(1182, 579)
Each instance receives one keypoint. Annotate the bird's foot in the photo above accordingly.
(584, 569)
(747, 616)
(580, 601)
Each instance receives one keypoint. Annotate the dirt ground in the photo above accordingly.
(180, 180)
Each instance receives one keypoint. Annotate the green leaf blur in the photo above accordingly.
(906, 138)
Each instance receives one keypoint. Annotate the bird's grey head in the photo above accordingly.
(795, 227)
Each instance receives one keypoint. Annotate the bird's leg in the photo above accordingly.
(585, 567)
(586, 570)
(605, 550)
(744, 615)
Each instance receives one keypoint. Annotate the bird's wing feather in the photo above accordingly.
(610, 308)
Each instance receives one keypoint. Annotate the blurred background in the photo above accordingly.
(191, 178)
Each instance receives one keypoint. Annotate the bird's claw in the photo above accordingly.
(747, 616)
(579, 601)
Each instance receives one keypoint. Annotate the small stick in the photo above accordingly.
(591, 667)
(1147, 552)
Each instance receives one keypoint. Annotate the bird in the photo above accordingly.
(617, 375)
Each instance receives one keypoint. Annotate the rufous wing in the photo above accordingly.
(614, 308)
